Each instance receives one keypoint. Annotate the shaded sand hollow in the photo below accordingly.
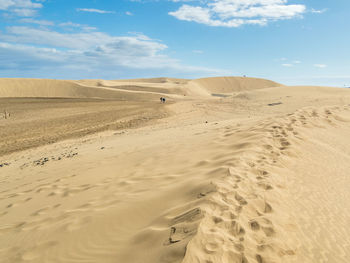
(228, 170)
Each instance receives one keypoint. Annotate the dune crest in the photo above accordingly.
(245, 219)
(138, 89)
(234, 84)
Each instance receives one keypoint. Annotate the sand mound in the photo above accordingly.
(48, 88)
(234, 84)
(138, 89)
(156, 80)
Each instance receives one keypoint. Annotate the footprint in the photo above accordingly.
(236, 229)
(284, 142)
(254, 225)
(40, 211)
(190, 216)
(179, 233)
(259, 258)
(268, 208)
(211, 247)
(217, 220)
(240, 199)
(239, 247)
(328, 112)
(265, 186)
(28, 199)
(263, 172)
(171, 239)
(269, 231)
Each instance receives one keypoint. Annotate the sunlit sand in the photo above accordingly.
(227, 170)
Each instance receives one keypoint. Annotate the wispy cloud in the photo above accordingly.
(24, 8)
(70, 24)
(42, 52)
(37, 22)
(320, 65)
(93, 10)
(288, 63)
(315, 11)
(128, 13)
(235, 13)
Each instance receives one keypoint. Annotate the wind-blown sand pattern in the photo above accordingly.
(228, 170)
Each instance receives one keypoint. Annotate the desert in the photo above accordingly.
(228, 169)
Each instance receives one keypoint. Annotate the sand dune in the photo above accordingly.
(65, 89)
(139, 89)
(259, 175)
(157, 80)
(234, 84)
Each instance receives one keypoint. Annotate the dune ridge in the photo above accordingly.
(139, 89)
(64, 89)
(234, 84)
(239, 224)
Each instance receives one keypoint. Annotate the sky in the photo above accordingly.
(294, 42)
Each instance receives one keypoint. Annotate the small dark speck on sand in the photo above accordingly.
(274, 104)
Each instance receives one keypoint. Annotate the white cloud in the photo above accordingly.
(318, 11)
(93, 10)
(234, 13)
(48, 53)
(38, 22)
(196, 51)
(288, 63)
(7, 4)
(71, 25)
(128, 13)
(20, 7)
(320, 65)
(83, 41)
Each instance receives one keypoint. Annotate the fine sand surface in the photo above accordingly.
(39, 121)
(228, 170)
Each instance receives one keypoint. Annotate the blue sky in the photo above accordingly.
(291, 41)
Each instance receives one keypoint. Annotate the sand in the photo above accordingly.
(228, 170)
(39, 121)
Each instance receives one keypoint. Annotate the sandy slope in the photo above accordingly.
(39, 121)
(229, 84)
(139, 89)
(258, 176)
